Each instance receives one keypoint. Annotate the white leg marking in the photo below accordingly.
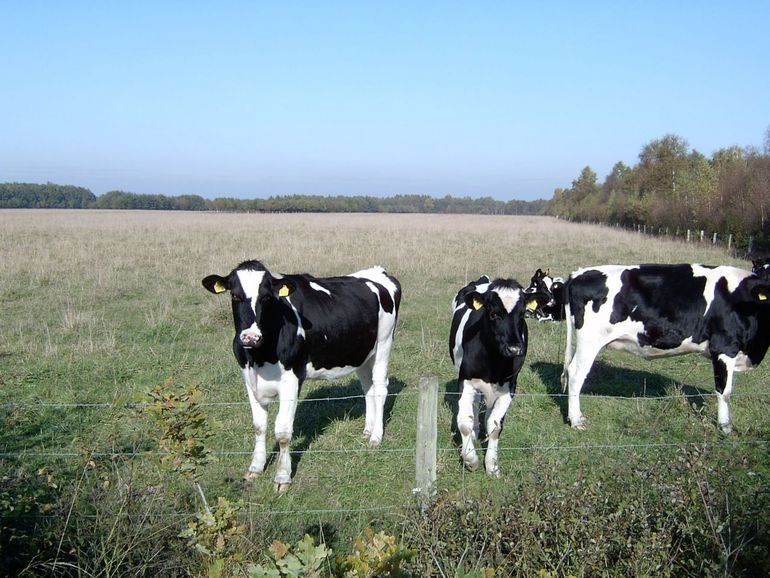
(259, 419)
(723, 399)
(365, 377)
(467, 420)
(378, 372)
(284, 428)
(495, 415)
(585, 354)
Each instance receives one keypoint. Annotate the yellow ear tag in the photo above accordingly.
(219, 287)
(477, 304)
(762, 296)
(283, 291)
(532, 304)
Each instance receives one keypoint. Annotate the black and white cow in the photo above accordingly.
(663, 310)
(488, 344)
(543, 282)
(289, 328)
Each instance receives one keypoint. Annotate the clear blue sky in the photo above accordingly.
(248, 99)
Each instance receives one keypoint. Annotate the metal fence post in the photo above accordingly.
(427, 427)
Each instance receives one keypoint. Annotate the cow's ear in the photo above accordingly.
(475, 300)
(283, 287)
(216, 284)
(534, 301)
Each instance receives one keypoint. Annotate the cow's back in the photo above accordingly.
(342, 318)
(669, 304)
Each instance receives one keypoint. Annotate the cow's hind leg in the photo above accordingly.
(365, 377)
(724, 368)
(259, 418)
(467, 420)
(377, 392)
(579, 366)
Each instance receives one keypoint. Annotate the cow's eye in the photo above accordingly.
(237, 298)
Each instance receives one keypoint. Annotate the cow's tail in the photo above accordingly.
(568, 345)
(397, 294)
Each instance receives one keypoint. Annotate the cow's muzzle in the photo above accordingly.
(513, 351)
(250, 339)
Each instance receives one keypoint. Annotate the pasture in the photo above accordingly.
(99, 307)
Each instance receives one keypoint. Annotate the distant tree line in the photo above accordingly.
(52, 196)
(48, 196)
(675, 188)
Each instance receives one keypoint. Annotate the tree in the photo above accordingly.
(767, 141)
(659, 163)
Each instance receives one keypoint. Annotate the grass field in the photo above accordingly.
(98, 307)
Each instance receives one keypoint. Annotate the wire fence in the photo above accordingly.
(401, 395)
(539, 448)
(410, 450)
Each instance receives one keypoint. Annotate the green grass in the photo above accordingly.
(98, 307)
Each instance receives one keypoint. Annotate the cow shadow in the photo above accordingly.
(608, 380)
(320, 408)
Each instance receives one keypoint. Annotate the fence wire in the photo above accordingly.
(225, 404)
(384, 509)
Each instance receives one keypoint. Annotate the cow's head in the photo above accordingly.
(254, 292)
(753, 292)
(761, 267)
(503, 307)
(543, 283)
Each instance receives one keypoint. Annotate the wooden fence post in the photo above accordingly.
(730, 242)
(688, 235)
(425, 460)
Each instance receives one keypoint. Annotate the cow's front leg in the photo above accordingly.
(724, 368)
(284, 428)
(467, 418)
(259, 418)
(495, 418)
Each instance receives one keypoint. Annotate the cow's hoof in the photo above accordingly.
(579, 426)
(726, 428)
(374, 442)
(494, 473)
(251, 475)
(281, 487)
(471, 465)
